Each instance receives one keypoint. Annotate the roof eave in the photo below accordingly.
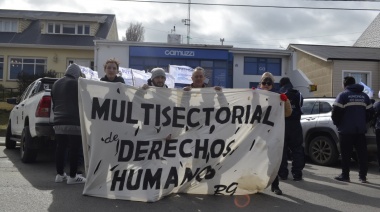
(46, 46)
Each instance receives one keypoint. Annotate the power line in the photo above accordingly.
(250, 5)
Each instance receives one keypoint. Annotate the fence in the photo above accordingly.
(7, 93)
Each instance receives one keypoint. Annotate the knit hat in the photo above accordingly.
(267, 75)
(156, 72)
(73, 70)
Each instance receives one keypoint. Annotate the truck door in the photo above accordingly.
(18, 117)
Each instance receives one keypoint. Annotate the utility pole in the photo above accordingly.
(187, 23)
(222, 40)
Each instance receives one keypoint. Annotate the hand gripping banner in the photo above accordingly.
(142, 145)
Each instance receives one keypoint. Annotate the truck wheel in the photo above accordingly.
(323, 151)
(9, 144)
(28, 155)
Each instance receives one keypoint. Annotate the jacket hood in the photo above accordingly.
(73, 70)
(355, 88)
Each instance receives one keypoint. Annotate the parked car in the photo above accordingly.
(31, 120)
(321, 139)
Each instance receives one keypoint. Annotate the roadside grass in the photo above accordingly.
(5, 109)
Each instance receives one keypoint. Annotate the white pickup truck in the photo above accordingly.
(31, 120)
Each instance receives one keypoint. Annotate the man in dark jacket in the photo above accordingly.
(67, 124)
(293, 133)
(351, 111)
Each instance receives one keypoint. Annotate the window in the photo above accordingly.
(207, 64)
(360, 76)
(310, 107)
(1, 67)
(258, 65)
(324, 107)
(68, 28)
(8, 25)
(31, 66)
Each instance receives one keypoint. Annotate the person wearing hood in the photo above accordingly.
(293, 140)
(351, 112)
(157, 79)
(64, 94)
(111, 68)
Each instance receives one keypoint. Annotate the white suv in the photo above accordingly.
(321, 139)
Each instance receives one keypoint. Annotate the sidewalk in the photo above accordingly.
(2, 141)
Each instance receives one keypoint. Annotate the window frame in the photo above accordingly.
(1, 67)
(368, 76)
(13, 25)
(256, 65)
(60, 25)
(12, 61)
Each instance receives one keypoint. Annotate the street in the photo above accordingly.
(31, 187)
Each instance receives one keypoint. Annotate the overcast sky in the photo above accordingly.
(265, 24)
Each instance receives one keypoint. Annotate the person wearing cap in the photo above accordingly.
(266, 83)
(111, 68)
(293, 133)
(64, 94)
(157, 79)
(198, 78)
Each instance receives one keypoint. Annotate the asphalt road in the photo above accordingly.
(31, 187)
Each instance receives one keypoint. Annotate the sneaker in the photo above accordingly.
(75, 180)
(60, 178)
(276, 190)
(363, 179)
(342, 178)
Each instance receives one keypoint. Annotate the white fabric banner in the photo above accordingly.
(142, 145)
(89, 73)
(181, 74)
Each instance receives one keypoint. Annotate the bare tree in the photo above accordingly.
(135, 32)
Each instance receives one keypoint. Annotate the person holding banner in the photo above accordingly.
(266, 83)
(64, 96)
(198, 78)
(111, 68)
(157, 79)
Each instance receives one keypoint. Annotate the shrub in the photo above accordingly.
(25, 79)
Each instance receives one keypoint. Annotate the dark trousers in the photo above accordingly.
(293, 141)
(347, 142)
(73, 142)
(378, 145)
(275, 183)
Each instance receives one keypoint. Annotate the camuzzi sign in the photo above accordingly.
(180, 53)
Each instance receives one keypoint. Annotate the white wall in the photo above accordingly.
(300, 82)
(242, 81)
(103, 52)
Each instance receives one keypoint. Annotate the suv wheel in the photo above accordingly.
(28, 155)
(322, 151)
(9, 144)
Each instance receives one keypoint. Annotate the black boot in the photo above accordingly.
(276, 190)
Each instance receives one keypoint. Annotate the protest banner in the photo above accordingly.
(142, 145)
